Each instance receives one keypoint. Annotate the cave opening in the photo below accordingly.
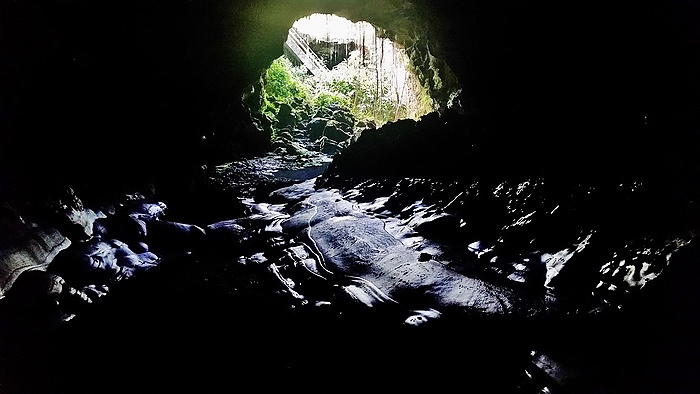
(336, 78)
(511, 238)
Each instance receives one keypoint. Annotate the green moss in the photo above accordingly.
(281, 84)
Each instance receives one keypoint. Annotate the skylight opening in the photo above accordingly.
(353, 60)
(329, 60)
(337, 78)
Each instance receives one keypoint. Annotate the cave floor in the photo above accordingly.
(203, 323)
(206, 325)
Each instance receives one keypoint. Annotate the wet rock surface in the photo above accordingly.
(248, 304)
(296, 267)
(573, 181)
(314, 280)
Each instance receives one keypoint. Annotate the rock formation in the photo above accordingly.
(563, 178)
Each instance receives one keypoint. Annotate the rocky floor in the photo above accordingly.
(207, 322)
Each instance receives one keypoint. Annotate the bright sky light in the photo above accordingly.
(334, 28)
(387, 61)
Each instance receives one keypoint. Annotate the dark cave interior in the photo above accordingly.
(108, 76)
(108, 97)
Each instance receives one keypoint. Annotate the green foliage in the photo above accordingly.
(342, 86)
(281, 84)
(325, 99)
(355, 87)
(364, 92)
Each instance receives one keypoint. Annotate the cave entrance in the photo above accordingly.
(336, 78)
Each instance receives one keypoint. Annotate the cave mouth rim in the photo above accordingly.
(420, 101)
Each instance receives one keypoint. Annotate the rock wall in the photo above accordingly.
(103, 93)
(130, 88)
(34, 251)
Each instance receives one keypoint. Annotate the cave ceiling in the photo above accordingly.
(84, 81)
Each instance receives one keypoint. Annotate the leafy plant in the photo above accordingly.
(281, 84)
(327, 98)
(367, 93)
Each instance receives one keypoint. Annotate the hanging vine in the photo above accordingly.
(369, 75)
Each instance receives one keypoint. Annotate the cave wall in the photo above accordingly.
(107, 90)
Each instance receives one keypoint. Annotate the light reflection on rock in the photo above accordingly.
(355, 245)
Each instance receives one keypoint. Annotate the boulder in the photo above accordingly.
(35, 250)
(328, 146)
(100, 262)
(286, 117)
(335, 131)
(315, 128)
(354, 243)
(344, 118)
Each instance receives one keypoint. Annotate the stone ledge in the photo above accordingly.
(33, 251)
